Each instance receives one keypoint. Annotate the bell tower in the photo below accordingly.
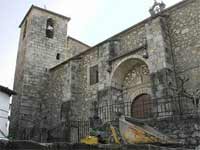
(42, 45)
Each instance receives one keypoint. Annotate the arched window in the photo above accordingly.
(50, 28)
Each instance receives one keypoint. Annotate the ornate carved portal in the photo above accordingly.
(142, 106)
(137, 79)
(132, 77)
(139, 74)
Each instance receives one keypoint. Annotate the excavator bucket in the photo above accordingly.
(136, 132)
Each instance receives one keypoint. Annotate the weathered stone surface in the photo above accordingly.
(32, 107)
(182, 129)
(147, 58)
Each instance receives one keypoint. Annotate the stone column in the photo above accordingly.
(160, 65)
(160, 57)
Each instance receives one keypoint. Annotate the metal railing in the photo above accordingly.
(159, 108)
(74, 131)
(81, 129)
(156, 108)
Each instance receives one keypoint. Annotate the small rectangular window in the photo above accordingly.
(94, 75)
(58, 56)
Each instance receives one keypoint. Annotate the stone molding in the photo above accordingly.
(143, 90)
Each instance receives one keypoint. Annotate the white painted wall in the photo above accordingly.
(4, 109)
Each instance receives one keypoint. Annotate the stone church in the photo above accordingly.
(149, 71)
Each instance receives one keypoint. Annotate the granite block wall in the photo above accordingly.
(184, 33)
(37, 53)
(168, 44)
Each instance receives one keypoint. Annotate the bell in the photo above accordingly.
(50, 27)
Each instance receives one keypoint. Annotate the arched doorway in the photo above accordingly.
(141, 106)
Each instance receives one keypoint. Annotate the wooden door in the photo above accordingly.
(142, 106)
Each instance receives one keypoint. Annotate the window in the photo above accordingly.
(94, 75)
(58, 56)
(24, 32)
(50, 28)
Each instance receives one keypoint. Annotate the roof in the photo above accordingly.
(78, 41)
(7, 91)
(42, 9)
(163, 13)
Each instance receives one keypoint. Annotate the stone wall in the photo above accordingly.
(74, 47)
(186, 129)
(18, 86)
(37, 53)
(65, 89)
(159, 35)
(59, 92)
(88, 93)
(184, 32)
(131, 39)
(168, 44)
(170, 47)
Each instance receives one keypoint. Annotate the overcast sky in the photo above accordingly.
(92, 21)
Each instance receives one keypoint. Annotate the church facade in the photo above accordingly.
(149, 71)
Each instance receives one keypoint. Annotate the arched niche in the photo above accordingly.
(130, 73)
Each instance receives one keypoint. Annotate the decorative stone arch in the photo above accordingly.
(141, 91)
(130, 78)
(134, 57)
(134, 95)
(137, 94)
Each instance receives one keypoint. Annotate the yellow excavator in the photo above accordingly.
(131, 131)
(112, 137)
(136, 131)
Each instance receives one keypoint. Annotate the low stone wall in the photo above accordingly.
(186, 128)
(29, 145)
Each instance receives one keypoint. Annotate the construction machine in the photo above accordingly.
(130, 131)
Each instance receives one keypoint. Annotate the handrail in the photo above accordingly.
(156, 108)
